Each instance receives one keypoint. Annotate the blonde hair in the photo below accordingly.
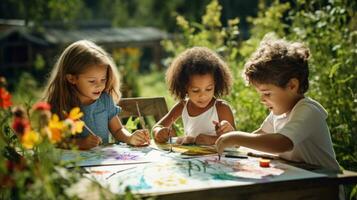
(74, 60)
(276, 61)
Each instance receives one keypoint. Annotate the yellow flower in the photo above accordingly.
(75, 114)
(73, 126)
(55, 123)
(30, 139)
(56, 127)
(78, 127)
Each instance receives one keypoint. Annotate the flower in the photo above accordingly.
(75, 114)
(20, 125)
(5, 98)
(40, 116)
(77, 127)
(41, 106)
(30, 139)
(42, 124)
(70, 126)
(73, 126)
(56, 126)
(73, 122)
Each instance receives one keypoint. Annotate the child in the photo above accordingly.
(85, 76)
(196, 77)
(296, 127)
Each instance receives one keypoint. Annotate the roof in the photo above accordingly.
(100, 35)
(104, 35)
(24, 33)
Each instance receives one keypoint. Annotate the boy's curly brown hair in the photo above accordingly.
(276, 61)
(198, 61)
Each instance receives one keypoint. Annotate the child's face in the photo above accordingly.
(90, 84)
(201, 89)
(277, 99)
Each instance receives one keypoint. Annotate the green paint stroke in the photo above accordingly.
(223, 176)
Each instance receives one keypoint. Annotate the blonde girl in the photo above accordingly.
(85, 76)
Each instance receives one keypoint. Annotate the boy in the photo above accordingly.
(296, 127)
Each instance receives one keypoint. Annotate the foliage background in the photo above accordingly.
(328, 27)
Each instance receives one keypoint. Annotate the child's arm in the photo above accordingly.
(203, 139)
(119, 132)
(86, 143)
(269, 142)
(226, 118)
(161, 129)
(225, 124)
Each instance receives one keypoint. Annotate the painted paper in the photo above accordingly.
(110, 155)
(179, 175)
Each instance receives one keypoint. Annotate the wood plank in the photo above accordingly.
(149, 106)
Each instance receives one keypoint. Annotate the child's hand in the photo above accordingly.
(203, 139)
(140, 137)
(162, 135)
(224, 141)
(222, 127)
(89, 142)
(186, 140)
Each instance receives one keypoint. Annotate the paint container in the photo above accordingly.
(264, 162)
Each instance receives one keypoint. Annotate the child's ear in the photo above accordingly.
(71, 78)
(294, 84)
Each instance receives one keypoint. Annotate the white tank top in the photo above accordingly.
(202, 123)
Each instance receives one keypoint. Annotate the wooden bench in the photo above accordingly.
(148, 106)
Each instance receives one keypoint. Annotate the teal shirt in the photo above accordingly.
(97, 116)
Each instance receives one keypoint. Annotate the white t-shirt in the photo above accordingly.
(305, 125)
(200, 124)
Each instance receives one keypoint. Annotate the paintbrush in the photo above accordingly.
(170, 134)
(170, 138)
(216, 127)
(119, 172)
(141, 119)
(91, 132)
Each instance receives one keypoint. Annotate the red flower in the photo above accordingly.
(20, 125)
(5, 98)
(41, 106)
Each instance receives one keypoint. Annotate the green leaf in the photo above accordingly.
(132, 124)
(334, 69)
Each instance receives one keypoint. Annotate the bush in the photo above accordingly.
(30, 166)
(224, 40)
(327, 27)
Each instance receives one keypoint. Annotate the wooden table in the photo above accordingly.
(311, 188)
(323, 185)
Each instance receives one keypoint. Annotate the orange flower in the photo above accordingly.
(30, 139)
(56, 135)
(56, 127)
(5, 98)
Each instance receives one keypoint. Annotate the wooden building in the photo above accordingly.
(20, 46)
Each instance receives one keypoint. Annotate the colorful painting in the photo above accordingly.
(189, 150)
(110, 155)
(148, 171)
(178, 175)
(104, 173)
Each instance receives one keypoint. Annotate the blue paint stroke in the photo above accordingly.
(141, 186)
